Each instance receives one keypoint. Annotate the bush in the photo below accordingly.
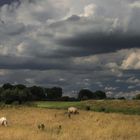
(121, 98)
(30, 104)
(102, 109)
(86, 94)
(87, 108)
(137, 97)
(16, 103)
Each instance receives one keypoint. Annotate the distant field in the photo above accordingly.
(118, 106)
(88, 125)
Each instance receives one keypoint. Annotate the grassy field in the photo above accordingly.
(118, 106)
(88, 125)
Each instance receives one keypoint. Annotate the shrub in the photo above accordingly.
(137, 97)
(102, 109)
(16, 103)
(87, 108)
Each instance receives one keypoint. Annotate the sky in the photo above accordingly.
(74, 44)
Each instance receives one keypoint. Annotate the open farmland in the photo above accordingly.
(88, 125)
(115, 106)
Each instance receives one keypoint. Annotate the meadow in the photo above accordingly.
(88, 125)
(108, 106)
(99, 123)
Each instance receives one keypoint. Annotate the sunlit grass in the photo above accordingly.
(57, 105)
(87, 125)
(120, 106)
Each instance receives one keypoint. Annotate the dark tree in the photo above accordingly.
(37, 93)
(53, 93)
(100, 94)
(137, 97)
(20, 86)
(85, 94)
(7, 86)
(10, 96)
(121, 98)
(24, 95)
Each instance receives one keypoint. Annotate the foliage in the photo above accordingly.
(7, 86)
(20, 86)
(87, 107)
(121, 98)
(9, 96)
(137, 97)
(37, 93)
(54, 93)
(20, 93)
(86, 94)
(99, 95)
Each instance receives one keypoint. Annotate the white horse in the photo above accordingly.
(3, 121)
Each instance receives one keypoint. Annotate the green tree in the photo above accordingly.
(20, 86)
(53, 93)
(85, 94)
(9, 96)
(99, 94)
(121, 98)
(137, 97)
(7, 86)
(37, 93)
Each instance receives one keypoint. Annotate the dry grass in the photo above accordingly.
(85, 126)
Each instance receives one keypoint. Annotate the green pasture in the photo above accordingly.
(108, 106)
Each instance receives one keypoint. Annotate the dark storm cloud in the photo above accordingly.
(3, 2)
(72, 44)
(47, 63)
(10, 62)
(12, 29)
(73, 18)
(96, 43)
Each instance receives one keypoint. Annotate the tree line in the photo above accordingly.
(20, 93)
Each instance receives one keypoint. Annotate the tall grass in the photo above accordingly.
(23, 122)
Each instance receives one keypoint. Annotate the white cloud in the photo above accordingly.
(130, 94)
(86, 60)
(21, 48)
(34, 13)
(131, 87)
(3, 72)
(110, 88)
(135, 4)
(30, 32)
(89, 10)
(132, 61)
(3, 50)
(30, 81)
(112, 65)
(133, 80)
(62, 80)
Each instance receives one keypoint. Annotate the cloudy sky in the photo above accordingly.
(74, 44)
